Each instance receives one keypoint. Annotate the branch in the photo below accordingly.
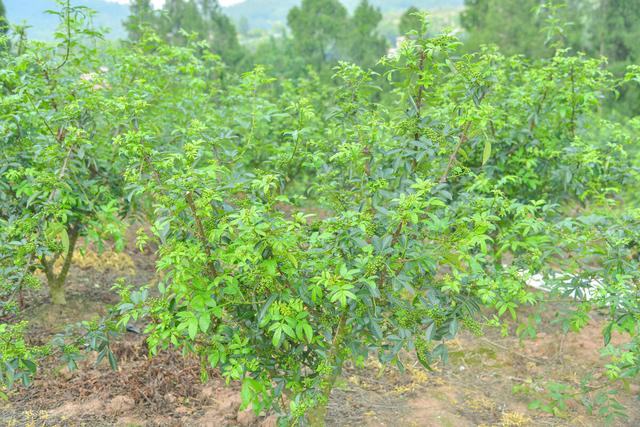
(463, 139)
(74, 232)
(67, 53)
(418, 103)
(201, 233)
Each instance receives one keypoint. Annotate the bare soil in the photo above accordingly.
(488, 381)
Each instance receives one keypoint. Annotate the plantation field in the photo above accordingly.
(319, 229)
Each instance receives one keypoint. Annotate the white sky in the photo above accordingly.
(159, 3)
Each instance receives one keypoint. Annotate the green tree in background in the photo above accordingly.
(219, 31)
(609, 28)
(619, 31)
(475, 14)
(617, 37)
(510, 24)
(517, 27)
(141, 14)
(3, 20)
(318, 28)
(179, 18)
(278, 53)
(410, 21)
(366, 45)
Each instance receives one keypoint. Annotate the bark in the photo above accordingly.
(56, 281)
(317, 416)
(56, 290)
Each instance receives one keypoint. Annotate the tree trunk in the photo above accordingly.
(56, 282)
(56, 290)
(317, 415)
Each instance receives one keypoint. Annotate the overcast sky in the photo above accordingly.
(159, 2)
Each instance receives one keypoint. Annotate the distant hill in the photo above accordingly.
(108, 15)
(265, 14)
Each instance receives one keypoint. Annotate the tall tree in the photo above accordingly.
(3, 19)
(204, 18)
(511, 24)
(4, 29)
(409, 21)
(141, 14)
(319, 28)
(366, 45)
(617, 37)
(517, 28)
(619, 31)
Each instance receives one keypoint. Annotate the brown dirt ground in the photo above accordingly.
(476, 387)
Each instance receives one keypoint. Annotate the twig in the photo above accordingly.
(463, 139)
(505, 348)
(201, 233)
(67, 53)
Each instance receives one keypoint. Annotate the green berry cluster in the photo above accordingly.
(265, 284)
(324, 368)
(299, 409)
(54, 245)
(405, 318)
(407, 127)
(164, 199)
(282, 160)
(423, 350)
(409, 318)
(375, 266)
(286, 310)
(32, 281)
(369, 226)
(443, 40)
(434, 136)
(466, 70)
(378, 184)
(361, 310)
(472, 325)
(437, 314)
(23, 251)
(327, 321)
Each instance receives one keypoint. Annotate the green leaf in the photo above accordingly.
(289, 331)
(30, 365)
(308, 331)
(204, 321)
(246, 393)
(193, 328)
(64, 237)
(276, 340)
(271, 266)
(214, 358)
(607, 334)
(486, 153)
(112, 360)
